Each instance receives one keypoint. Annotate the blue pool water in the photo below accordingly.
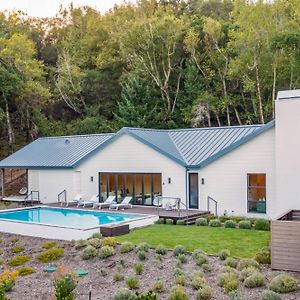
(74, 218)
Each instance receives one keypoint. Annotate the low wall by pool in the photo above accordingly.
(64, 232)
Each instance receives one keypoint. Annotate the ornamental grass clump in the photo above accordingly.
(205, 293)
(117, 276)
(178, 272)
(206, 268)
(17, 249)
(8, 279)
(247, 272)
(124, 294)
(215, 223)
(201, 259)
(143, 247)
(18, 260)
(236, 295)
(169, 221)
(269, 295)
(254, 280)
(223, 254)
(182, 258)
(103, 272)
(24, 271)
(133, 282)
(79, 244)
(263, 256)
(126, 247)
(178, 293)
(262, 224)
(109, 241)
(283, 283)
(138, 267)
(230, 224)
(201, 222)
(106, 251)
(50, 255)
(227, 269)
(179, 249)
(230, 262)
(228, 281)
(142, 255)
(180, 280)
(89, 252)
(246, 263)
(95, 242)
(244, 224)
(48, 245)
(198, 282)
(197, 252)
(160, 249)
(180, 222)
(160, 221)
(96, 235)
(159, 286)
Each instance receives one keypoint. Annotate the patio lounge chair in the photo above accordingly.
(106, 203)
(77, 199)
(124, 204)
(94, 200)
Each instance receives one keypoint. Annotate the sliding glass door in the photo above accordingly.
(142, 187)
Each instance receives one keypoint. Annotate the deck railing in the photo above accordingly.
(210, 199)
(62, 197)
(33, 196)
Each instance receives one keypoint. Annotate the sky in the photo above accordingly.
(49, 8)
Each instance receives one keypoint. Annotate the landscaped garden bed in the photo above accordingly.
(112, 267)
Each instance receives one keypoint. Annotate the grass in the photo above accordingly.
(240, 242)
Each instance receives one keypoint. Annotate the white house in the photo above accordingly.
(248, 170)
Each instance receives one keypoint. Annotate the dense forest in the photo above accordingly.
(159, 64)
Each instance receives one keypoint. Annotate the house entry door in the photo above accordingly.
(193, 191)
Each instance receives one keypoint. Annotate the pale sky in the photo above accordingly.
(49, 8)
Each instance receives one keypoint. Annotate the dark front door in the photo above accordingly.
(193, 191)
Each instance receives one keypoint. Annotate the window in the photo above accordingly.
(257, 193)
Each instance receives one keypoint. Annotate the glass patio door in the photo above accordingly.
(193, 191)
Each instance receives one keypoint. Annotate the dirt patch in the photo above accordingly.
(40, 284)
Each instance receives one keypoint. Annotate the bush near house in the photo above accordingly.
(244, 224)
(215, 223)
(230, 224)
(169, 221)
(262, 224)
(201, 222)
(180, 222)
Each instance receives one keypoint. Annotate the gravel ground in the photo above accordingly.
(40, 284)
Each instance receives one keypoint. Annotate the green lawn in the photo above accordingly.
(240, 242)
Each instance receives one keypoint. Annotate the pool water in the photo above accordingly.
(65, 217)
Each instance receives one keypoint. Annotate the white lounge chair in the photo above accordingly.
(77, 199)
(124, 204)
(94, 200)
(106, 203)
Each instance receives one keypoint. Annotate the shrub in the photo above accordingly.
(269, 295)
(223, 219)
(223, 254)
(48, 245)
(160, 221)
(263, 256)
(8, 279)
(23, 271)
(262, 224)
(230, 224)
(283, 283)
(178, 293)
(246, 263)
(64, 284)
(147, 296)
(126, 247)
(133, 283)
(178, 272)
(206, 268)
(106, 251)
(96, 235)
(227, 269)
(159, 257)
(18, 260)
(179, 249)
(254, 280)
(18, 249)
(230, 262)
(14, 240)
(197, 252)
(80, 244)
(215, 223)
(109, 241)
(198, 282)
(201, 222)
(182, 258)
(180, 280)
(142, 255)
(247, 272)
(89, 252)
(159, 286)
(237, 219)
(244, 224)
(180, 222)
(201, 259)
(235, 295)
(204, 293)
(160, 249)
(103, 272)
(228, 281)
(50, 255)
(124, 294)
(138, 267)
(95, 242)
(169, 221)
(117, 276)
(143, 247)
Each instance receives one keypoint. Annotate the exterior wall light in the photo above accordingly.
(169, 180)
(202, 181)
(92, 178)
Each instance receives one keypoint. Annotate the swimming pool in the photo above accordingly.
(66, 217)
(66, 223)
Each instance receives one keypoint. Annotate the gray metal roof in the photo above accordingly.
(193, 148)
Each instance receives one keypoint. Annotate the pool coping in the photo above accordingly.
(143, 216)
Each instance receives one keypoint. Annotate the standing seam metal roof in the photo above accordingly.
(194, 147)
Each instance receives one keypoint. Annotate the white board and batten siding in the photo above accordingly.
(225, 179)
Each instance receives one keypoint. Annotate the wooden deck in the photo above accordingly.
(285, 242)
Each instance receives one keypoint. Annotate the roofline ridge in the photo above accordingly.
(75, 135)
